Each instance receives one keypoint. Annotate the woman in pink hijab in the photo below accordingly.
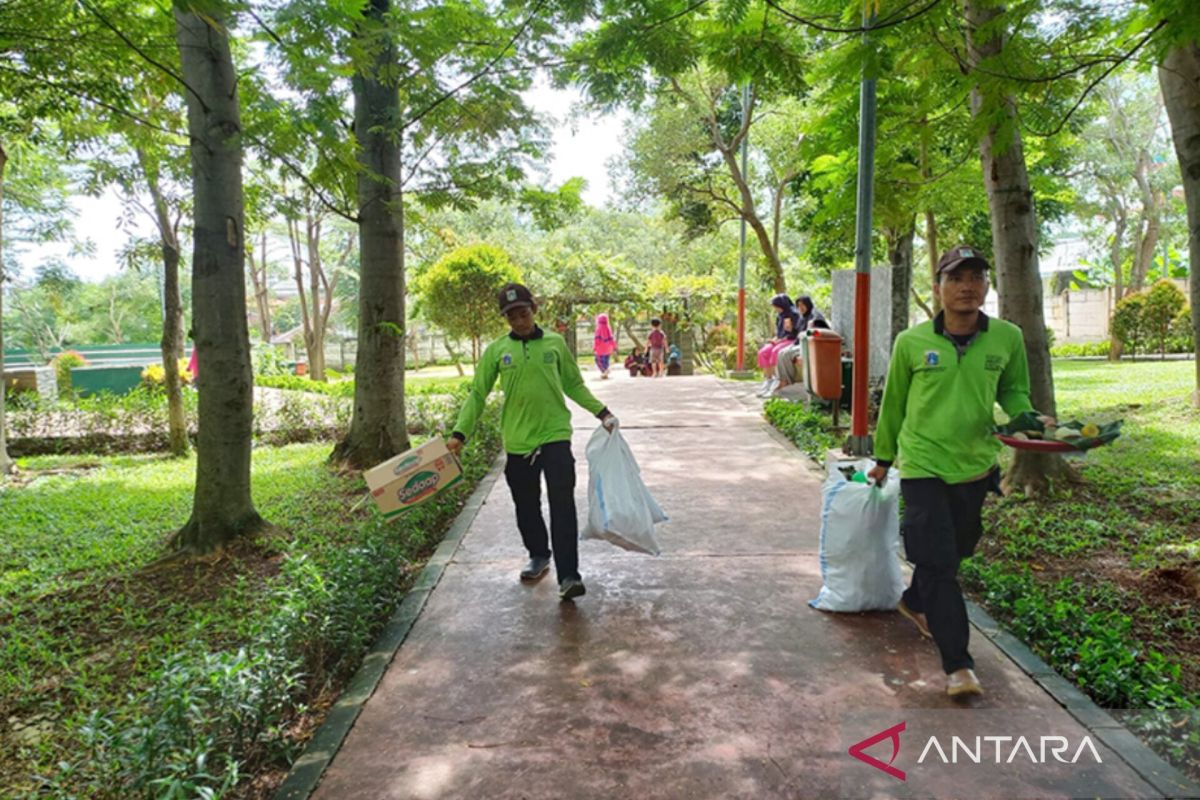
(604, 345)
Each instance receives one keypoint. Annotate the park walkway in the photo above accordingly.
(699, 674)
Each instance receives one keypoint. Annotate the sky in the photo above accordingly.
(580, 146)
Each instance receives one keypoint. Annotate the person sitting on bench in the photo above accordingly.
(787, 368)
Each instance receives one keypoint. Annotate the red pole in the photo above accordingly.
(741, 325)
(862, 353)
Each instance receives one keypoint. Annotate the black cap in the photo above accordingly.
(514, 295)
(961, 256)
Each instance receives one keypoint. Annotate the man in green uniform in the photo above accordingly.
(536, 370)
(943, 383)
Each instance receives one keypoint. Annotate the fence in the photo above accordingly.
(1081, 315)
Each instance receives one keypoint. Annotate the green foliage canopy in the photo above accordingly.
(458, 292)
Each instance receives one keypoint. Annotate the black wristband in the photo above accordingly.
(882, 463)
(459, 436)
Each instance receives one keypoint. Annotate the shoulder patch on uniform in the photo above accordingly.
(931, 358)
(506, 359)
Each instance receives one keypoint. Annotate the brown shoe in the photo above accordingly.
(963, 682)
(915, 618)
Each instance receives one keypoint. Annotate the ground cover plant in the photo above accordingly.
(131, 679)
(287, 409)
(1102, 578)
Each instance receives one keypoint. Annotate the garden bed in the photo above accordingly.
(119, 675)
(137, 422)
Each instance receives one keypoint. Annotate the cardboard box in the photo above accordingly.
(411, 478)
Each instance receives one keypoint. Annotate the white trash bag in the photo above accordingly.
(620, 507)
(860, 543)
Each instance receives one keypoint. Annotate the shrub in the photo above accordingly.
(209, 714)
(1163, 303)
(302, 383)
(154, 376)
(268, 359)
(1128, 322)
(1082, 349)
(63, 363)
(808, 429)
(1182, 337)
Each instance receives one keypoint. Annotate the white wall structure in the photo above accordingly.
(841, 317)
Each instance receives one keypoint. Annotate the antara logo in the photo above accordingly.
(985, 749)
(892, 733)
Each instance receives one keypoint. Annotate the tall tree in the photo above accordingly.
(1014, 227)
(378, 429)
(316, 281)
(6, 463)
(438, 118)
(1179, 77)
(222, 508)
(700, 56)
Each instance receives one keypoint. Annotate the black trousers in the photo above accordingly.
(524, 476)
(941, 526)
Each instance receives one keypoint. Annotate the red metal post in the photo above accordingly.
(862, 353)
(741, 330)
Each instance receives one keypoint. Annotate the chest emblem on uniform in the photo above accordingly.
(547, 358)
(931, 358)
(506, 359)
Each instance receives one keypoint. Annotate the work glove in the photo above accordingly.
(610, 423)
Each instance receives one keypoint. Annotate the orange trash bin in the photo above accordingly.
(824, 363)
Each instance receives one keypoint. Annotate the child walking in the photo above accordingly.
(657, 341)
(603, 345)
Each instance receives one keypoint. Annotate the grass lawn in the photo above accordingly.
(86, 626)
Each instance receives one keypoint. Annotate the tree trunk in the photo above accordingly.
(377, 428)
(900, 256)
(1179, 77)
(6, 463)
(628, 325)
(262, 296)
(1014, 240)
(729, 152)
(931, 230)
(454, 356)
(414, 349)
(222, 508)
(1116, 255)
(754, 221)
(1149, 225)
(171, 343)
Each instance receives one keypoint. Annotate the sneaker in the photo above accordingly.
(764, 388)
(536, 568)
(571, 588)
(914, 618)
(962, 682)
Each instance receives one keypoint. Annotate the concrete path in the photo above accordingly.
(699, 674)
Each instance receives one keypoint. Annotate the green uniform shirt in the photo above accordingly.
(939, 401)
(534, 375)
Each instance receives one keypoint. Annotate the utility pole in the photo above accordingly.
(741, 297)
(860, 443)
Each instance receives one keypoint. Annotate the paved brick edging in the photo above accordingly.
(1166, 779)
(306, 772)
